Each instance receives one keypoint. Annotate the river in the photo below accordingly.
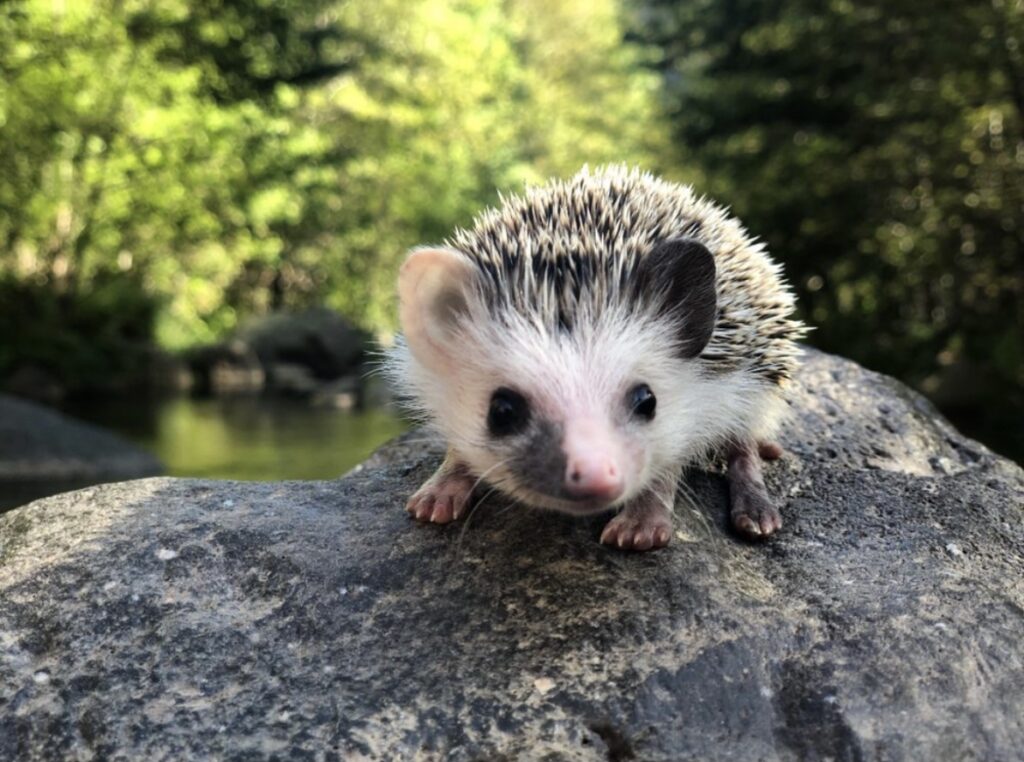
(248, 438)
(256, 438)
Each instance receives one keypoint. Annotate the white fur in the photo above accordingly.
(589, 373)
(725, 395)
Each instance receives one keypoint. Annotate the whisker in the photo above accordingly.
(477, 503)
(689, 499)
(483, 476)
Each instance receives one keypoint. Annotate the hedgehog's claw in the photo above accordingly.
(752, 512)
(644, 524)
(444, 497)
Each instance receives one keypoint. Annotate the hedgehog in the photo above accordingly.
(583, 343)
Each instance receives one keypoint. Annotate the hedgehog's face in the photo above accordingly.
(578, 421)
(578, 461)
(556, 443)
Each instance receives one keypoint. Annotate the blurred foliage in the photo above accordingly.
(246, 155)
(103, 335)
(171, 168)
(878, 147)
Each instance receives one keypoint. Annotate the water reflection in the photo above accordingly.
(246, 438)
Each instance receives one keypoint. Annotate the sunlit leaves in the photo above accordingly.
(242, 156)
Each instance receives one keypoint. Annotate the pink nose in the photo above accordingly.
(593, 477)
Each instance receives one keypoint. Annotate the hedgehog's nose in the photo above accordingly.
(593, 477)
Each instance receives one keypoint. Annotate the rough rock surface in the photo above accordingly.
(177, 619)
(40, 447)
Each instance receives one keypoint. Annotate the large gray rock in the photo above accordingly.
(177, 619)
(295, 354)
(320, 340)
(42, 450)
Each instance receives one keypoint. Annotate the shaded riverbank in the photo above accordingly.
(249, 438)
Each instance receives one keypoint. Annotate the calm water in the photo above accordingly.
(245, 438)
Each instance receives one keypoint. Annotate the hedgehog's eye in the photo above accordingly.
(509, 413)
(642, 402)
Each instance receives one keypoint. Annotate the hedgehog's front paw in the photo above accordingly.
(643, 525)
(753, 513)
(443, 498)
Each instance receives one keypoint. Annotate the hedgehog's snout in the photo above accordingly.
(593, 471)
(594, 480)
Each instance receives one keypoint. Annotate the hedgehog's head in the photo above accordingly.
(578, 415)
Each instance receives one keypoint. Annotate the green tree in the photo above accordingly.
(879, 148)
(454, 103)
(193, 164)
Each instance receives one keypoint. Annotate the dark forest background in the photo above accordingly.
(170, 170)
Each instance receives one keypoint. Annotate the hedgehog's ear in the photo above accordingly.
(684, 271)
(433, 287)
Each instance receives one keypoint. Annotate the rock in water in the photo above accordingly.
(320, 340)
(189, 619)
(42, 451)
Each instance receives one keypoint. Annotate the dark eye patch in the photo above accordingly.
(508, 413)
(641, 402)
